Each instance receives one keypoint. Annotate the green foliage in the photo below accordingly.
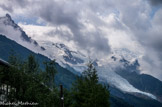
(31, 82)
(32, 66)
(63, 76)
(88, 92)
(50, 73)
(25, 85)
(14, 60)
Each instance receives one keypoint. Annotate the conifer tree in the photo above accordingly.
(32, 66)
(13, 59)
(24, 78)
(50, 73)
(88, 92)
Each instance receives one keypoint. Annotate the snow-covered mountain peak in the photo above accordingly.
(119, 58)
(125, 53)
(7, 15)
(60, 45)
(74, 60)
(63, 54)
(12, 31)
(7, 20)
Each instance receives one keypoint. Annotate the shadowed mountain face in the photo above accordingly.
(129, 74)
(68, 56)
(63, 76)
(7, 24)
(142, 82)
(131, 99)
(7, 20)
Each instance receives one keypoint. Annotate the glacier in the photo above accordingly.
(73, 58)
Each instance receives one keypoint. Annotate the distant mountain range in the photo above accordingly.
(127, 86)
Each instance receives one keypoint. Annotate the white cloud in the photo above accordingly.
(96, 26)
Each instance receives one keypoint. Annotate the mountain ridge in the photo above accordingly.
(67, 77)
(75, 62)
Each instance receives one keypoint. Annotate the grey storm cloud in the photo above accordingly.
(10, 5)
(133, 15)
(7, 8)
(59, 14)
(153, 36)
(156, 2)
(69, 13)
(150, 37)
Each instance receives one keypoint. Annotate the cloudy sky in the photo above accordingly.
(96, 27)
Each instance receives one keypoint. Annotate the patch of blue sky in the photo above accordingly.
(28, 21)
(154, 10)
(117, 12)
